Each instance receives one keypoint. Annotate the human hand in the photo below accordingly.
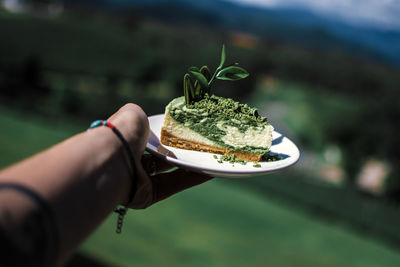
(152, 185)
(157, 184)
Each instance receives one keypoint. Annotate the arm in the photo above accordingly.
(85, 177)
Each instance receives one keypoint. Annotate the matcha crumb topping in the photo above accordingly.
(227, 107)
(233, 159)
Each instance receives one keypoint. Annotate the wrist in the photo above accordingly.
(133, 123)
(113, 161)
(134, 179)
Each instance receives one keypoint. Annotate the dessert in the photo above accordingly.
(204, 122)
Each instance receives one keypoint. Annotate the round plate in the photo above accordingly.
(206, 163)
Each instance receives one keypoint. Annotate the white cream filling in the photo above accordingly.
(252, 137)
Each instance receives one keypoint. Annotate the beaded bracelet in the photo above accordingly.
(122, 209)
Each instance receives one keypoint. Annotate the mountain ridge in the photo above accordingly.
(293, 25)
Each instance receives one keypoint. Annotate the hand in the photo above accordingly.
(156, 185)
(153, 185)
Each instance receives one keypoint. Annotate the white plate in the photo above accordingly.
(205, 162)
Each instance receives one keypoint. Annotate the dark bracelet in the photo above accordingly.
(45, 211)
(122, 209)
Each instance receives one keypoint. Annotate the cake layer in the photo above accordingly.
(170, 140)
(177, 129)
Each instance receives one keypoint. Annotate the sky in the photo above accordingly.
(382, 14)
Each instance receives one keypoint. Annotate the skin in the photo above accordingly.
(88, 175)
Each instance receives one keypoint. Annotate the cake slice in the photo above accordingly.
(204, 122)
(217, 125)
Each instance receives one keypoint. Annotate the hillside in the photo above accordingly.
(297, 26)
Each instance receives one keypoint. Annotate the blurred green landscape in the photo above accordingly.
(57, 74)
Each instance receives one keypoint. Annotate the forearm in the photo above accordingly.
(82, 179)
(74, 185)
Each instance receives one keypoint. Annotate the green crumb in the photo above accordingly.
(242, 161)
(268, 157)
(228, 108)
(232, 159)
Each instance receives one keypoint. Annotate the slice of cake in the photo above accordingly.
(204, 122)
(217, 125)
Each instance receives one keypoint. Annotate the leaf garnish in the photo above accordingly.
(186, 90)
(196, 83)
(200, 78)
(232, 73)
(206, 72)
(223, 57)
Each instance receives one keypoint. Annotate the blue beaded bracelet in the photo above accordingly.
(122, 209)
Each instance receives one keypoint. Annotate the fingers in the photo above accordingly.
(154, 165)
(154, 186)
(149, 166)
(128, 108)
(167, 184)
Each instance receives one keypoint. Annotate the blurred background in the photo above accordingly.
(325, 73)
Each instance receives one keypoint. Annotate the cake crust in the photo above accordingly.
(170, 140)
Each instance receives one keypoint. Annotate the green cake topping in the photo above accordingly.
(214, 109)
(228, 108)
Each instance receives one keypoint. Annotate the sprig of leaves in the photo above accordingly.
(197, 82)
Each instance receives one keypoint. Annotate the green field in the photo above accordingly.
(216, 224)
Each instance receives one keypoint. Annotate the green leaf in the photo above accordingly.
(232, 73)
(193, 68)
(189, 89)
(197, 89)
(206, 72)
(223, 57)
(200, 78)
(186, 80)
